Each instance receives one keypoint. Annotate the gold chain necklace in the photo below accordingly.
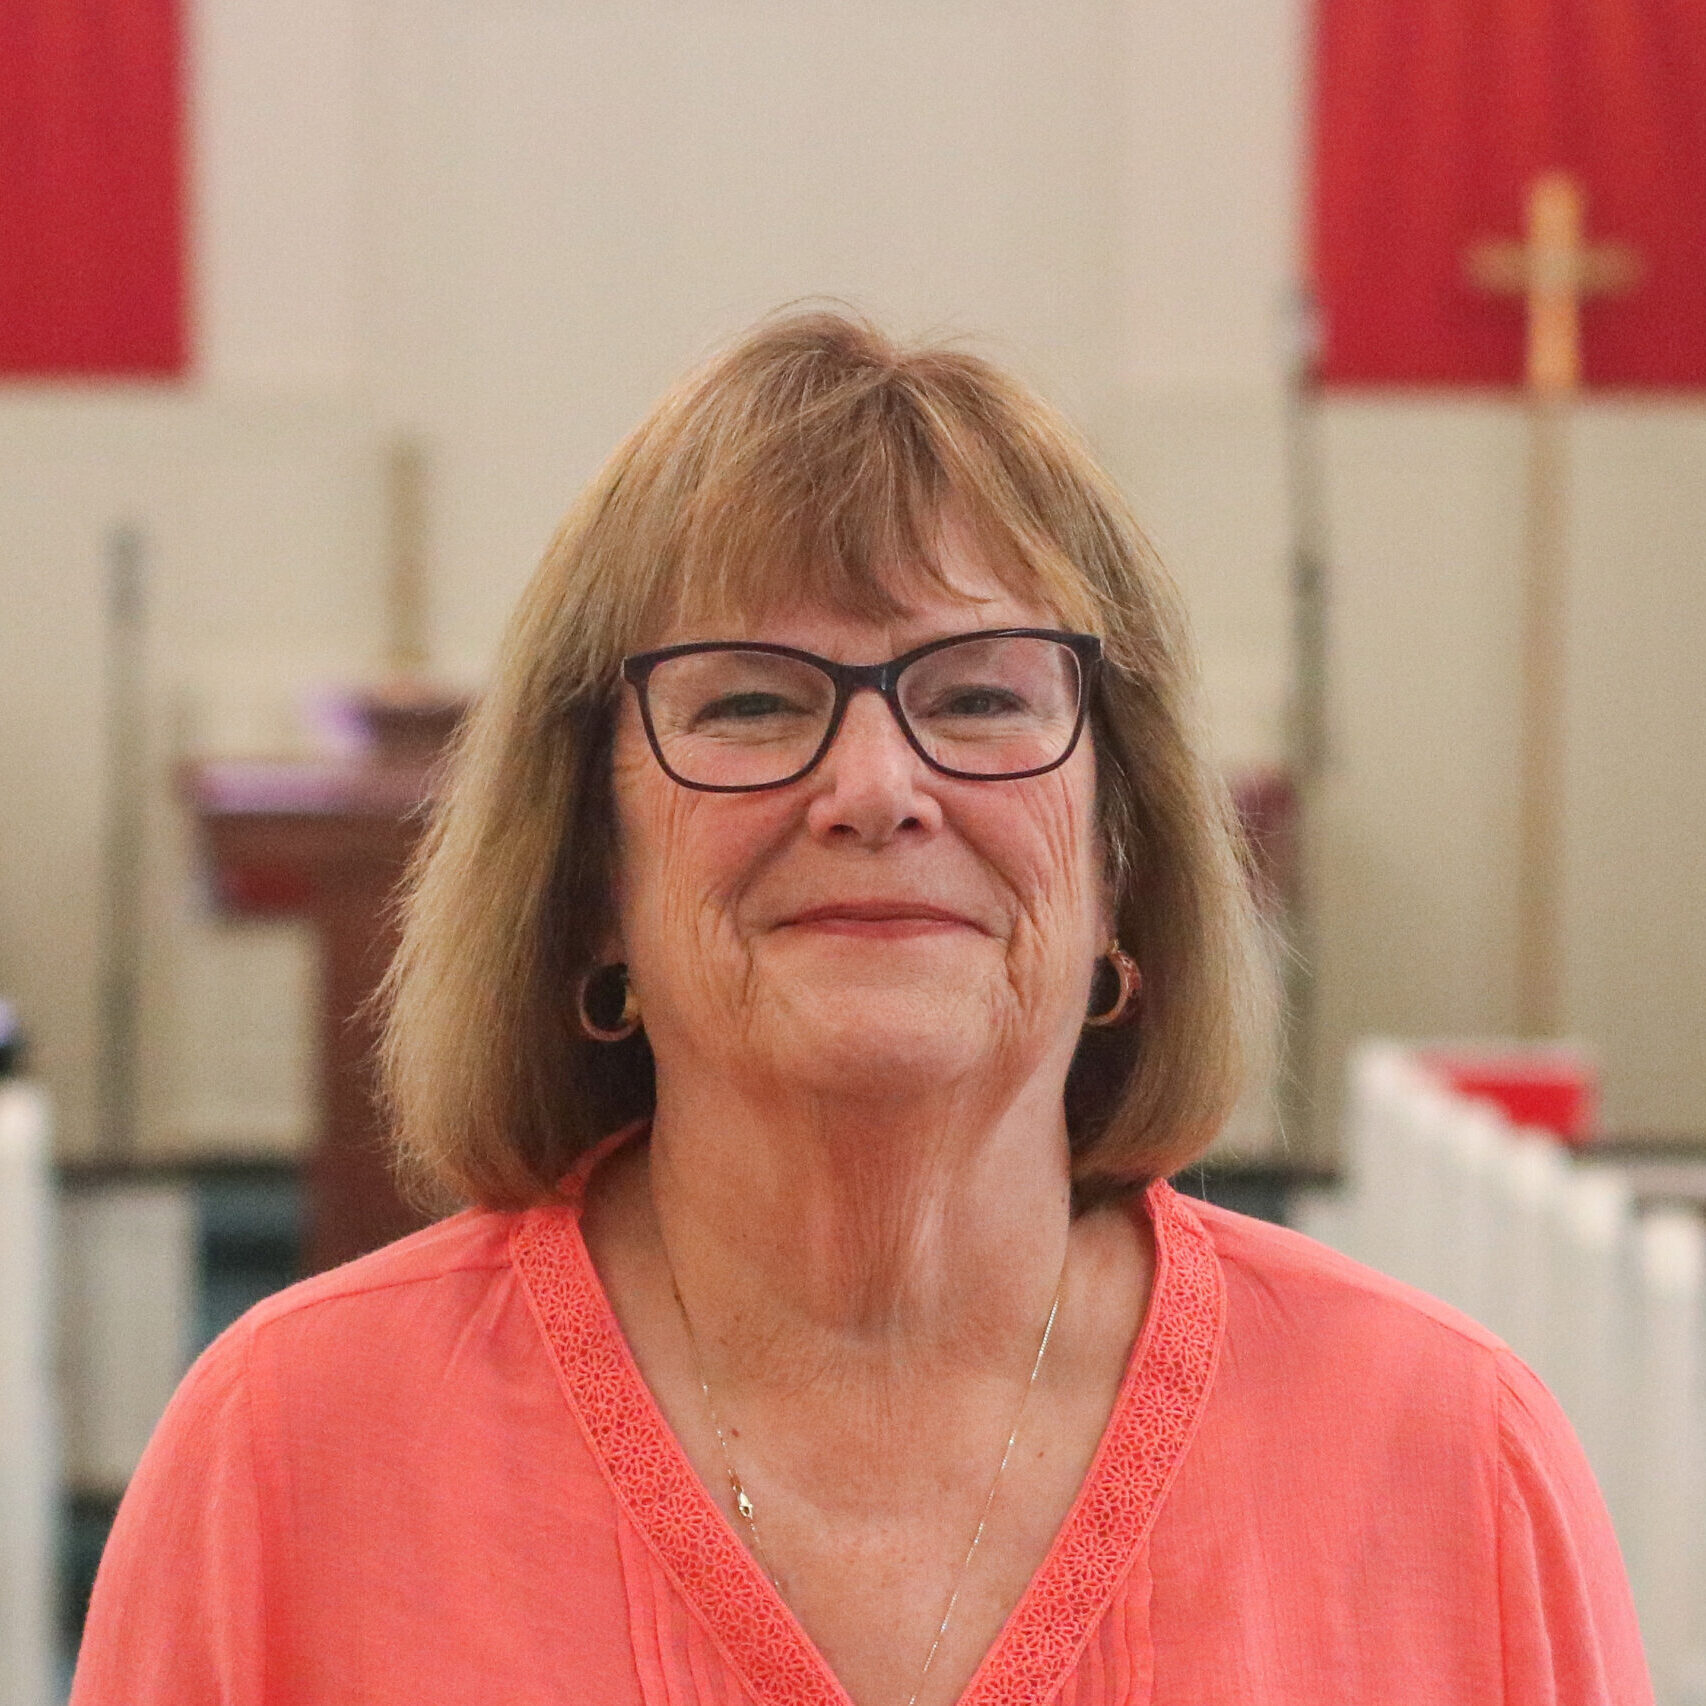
(743, 1501)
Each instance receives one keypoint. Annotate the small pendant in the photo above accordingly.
(742, 1503)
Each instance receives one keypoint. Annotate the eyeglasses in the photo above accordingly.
(733, 716)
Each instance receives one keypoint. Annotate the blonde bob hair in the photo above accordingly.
(814, 459)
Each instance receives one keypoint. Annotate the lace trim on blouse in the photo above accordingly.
(1160, 1401)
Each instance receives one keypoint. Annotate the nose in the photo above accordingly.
(871, 786)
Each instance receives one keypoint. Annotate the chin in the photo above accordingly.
(875, 1042)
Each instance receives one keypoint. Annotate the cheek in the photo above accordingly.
(682, 859)
(1055, 851)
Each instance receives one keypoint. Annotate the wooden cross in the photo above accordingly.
(1554, 269)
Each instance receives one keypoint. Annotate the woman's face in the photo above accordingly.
(874, 929)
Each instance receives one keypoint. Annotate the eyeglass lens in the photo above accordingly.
(984, 707)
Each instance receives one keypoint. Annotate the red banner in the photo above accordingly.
(1431, 119)
(91, 189)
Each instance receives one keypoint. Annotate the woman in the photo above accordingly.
(829, 942)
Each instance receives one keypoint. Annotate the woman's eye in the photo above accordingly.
(742, 707)
(977, 702)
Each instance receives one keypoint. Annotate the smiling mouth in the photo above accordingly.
(879, 918)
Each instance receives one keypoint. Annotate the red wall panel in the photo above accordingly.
(91, 189)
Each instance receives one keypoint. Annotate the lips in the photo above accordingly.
(879, 916)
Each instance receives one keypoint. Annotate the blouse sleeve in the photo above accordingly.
(177, 1613)
(1569, 1632)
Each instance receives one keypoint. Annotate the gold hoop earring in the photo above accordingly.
(1131, 987)
(629, 1020)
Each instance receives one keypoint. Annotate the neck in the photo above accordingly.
(886, 1238)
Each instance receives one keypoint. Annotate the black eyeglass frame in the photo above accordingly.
(881, 678)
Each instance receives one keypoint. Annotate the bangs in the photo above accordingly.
(837, 484)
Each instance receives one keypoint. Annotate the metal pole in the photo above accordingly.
(1307, 729)
(126, 756)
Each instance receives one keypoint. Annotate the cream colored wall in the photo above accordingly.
(569, 204)
(507, 226)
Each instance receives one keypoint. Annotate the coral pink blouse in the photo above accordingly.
(435, 1475)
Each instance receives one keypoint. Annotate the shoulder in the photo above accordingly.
(406, 1305)
(444, 1259)
(1307, 1324)
(1322, 1319)
(1293, 1272)
(1381, 1393)
(359, 1344)
(474, 1241)
(1403, 1461)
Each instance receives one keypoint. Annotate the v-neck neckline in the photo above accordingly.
(1154, 1417)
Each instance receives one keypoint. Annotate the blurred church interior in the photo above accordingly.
(1390, 321)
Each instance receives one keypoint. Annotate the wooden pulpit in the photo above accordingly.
(326, 841)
